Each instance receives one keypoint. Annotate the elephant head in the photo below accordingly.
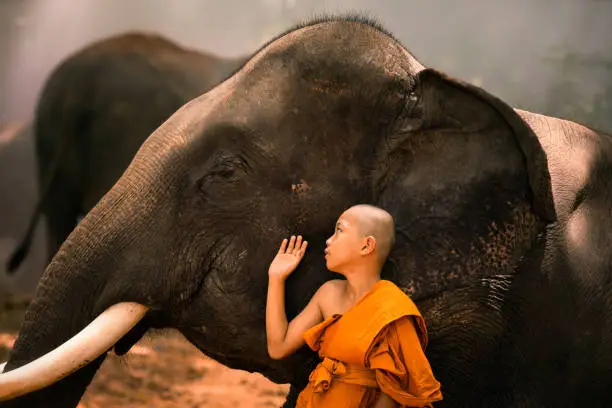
(331, 113)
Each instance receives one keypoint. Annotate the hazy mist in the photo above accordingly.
(515, 49)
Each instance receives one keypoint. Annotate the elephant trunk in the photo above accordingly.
(64, 305)
(108, 259)
(88, 275)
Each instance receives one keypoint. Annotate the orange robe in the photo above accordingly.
(376, 346)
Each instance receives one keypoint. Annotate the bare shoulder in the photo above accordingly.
(332, 286)
(329, 296)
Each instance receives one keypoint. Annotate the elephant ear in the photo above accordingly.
(505, 116)
(535, 157)
(448, 105)
(464, 176)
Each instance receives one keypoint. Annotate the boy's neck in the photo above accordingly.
(360, 280)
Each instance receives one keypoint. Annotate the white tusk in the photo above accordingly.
(87, 345)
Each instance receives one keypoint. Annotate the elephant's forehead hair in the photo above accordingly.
(347, 41)
(325, 47)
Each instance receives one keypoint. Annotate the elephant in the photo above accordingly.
(95, 110)
(501, 217)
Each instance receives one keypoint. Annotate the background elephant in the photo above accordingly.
(95, 111)
(502, 221)
(17, 189)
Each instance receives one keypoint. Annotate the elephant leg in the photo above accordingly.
(61, 212)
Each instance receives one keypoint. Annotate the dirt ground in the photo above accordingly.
(165, 370)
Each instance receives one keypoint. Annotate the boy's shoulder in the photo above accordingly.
(331, 288)
(333, 284)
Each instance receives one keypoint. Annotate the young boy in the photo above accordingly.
(368, 333)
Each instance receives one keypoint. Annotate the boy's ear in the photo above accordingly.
(369, 244)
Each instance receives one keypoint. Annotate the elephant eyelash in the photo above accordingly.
(222, 173)
(225, 168)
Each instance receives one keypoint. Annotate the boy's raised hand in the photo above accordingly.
(287, 258)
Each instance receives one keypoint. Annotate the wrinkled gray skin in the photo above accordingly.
(96, 109)
(502, 223)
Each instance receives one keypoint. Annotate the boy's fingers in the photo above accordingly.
(303, 248)
(295, 245)
(291, 245)
(283, 246)
(298, 243)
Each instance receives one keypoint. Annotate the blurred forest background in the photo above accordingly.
(549, 56)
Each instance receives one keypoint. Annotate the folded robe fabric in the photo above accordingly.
(376, 346)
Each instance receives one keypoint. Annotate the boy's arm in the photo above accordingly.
(283, 338)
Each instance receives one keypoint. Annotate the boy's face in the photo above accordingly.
(344, 246)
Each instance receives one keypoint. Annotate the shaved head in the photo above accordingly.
(376, 222)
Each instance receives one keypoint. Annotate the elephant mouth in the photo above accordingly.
(279, 372)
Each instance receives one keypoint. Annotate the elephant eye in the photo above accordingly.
(224, 169)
